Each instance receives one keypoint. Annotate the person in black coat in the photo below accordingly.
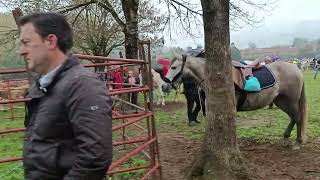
(68, 118)
(194, 102)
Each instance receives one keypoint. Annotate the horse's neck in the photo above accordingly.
(196, 68)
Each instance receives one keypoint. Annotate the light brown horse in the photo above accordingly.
(288, 93)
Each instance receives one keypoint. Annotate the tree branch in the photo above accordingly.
(186, 7)
(71, 8)
(107, 6)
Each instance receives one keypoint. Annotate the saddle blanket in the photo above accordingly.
(264, 76)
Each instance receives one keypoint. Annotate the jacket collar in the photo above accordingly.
(36, 92)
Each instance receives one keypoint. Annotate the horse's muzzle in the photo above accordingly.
(166, 80)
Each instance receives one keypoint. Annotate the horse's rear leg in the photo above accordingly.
(292, 109)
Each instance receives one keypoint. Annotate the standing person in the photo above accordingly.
(132, 81)
(68, 119)
(190, 90)
(116, 77)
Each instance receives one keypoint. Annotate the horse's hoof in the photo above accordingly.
(196, 121)
(285, 142)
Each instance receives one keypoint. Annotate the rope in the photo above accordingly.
(199, 94)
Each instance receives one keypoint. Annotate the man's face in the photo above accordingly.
(33, 49)
(130, 73)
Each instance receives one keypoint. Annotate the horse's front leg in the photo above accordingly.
(158, 99)
(163, 102)
(161, 95)
(286, 136)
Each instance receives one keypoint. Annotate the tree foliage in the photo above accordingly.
(100, 26)
(252, 45)
(299, 42)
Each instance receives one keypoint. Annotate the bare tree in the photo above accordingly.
(131, 16)
(96, 31)
(185, 16)
(219, 157)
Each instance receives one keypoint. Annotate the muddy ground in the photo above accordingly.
(269, 161)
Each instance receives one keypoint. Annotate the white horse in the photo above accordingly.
(157, 87)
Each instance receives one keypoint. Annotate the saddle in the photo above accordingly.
(241, 71)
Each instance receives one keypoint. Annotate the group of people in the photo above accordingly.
(119, 78)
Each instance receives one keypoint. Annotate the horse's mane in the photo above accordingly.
(179, 57)
(174, 59)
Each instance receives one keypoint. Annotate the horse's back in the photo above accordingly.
(285, 70)
(288, 76)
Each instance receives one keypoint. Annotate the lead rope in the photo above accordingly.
(199, 95)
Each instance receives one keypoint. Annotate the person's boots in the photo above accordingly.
(192, 123)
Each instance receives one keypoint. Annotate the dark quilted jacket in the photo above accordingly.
(68, 127)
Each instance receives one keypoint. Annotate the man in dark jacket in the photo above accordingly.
(191, 92)
(68, 120)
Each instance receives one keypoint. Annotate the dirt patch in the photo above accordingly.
(176, 153)
(270, 161)
(267, 161)
(170, 106)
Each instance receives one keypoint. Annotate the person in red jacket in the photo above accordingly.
(116, 77)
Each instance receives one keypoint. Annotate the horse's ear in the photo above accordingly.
(175, 55)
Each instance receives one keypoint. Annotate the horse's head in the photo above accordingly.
(174, 75)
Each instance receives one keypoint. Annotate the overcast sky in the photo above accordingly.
(285, 14)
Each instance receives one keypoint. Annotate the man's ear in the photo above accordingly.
(51, 41)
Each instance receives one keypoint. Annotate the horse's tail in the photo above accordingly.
(303, 113)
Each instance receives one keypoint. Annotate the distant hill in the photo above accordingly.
(280, 34)
(308, 29)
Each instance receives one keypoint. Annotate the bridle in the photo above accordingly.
(179, 74)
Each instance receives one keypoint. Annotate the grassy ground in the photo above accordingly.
(264, 125)
(11, 145)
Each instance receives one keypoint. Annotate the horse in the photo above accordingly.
(288, 93)
(161, 88)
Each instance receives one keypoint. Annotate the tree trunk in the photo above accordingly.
(130, 9)
(219, 156)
